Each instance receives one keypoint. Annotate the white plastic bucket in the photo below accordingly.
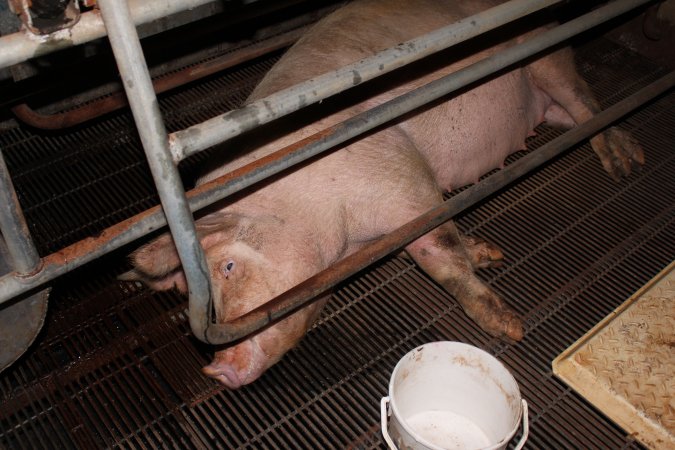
(450, 395)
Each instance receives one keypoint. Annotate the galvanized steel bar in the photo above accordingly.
(24, 255)
(23, 45)
(233, 123)
(141, 96)
(309, 290)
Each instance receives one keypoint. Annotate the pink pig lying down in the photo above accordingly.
(279, 233)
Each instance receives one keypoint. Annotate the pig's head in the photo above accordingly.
(249, 263)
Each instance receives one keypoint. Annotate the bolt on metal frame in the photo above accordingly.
(165, 151)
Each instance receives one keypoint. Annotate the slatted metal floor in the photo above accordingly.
(116, 365)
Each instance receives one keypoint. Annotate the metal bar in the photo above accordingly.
(21, 46)
(138, 86)
(118, 99)
(307, 291)
(24, 256)
(226, 126)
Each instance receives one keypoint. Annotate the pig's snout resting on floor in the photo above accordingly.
(280, 233)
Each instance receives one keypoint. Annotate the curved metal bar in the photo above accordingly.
(24, 256)
(307, 291)
(138, 86)
(226, 126)
(117, 100)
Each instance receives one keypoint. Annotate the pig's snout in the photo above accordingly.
(238, 365)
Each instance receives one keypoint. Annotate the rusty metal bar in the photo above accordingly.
(118, 99)
(307, 291)
(133, 70)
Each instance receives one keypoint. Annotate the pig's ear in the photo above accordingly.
(217, 228)
(157, 264)
(160, 257)
(157, 258)
(175, 279)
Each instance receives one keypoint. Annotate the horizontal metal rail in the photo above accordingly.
(23, 45)
(118, 99)
(309, 290)
(226, 126)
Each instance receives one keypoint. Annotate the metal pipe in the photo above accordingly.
(138, 86)
(21, 46)
(118, 99)
(226, 126)
(309, 290)
(24, 255)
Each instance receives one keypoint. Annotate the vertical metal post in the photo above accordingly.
(138, 86)
(24, 255)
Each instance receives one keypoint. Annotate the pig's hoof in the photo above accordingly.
(481, 253)
(618, 152)
(493, 316)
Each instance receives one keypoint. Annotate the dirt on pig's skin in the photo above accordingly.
(279, 233)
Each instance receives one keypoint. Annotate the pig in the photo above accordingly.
(280, 232)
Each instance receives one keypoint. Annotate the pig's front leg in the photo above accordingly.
(442, 255)
(556, 75)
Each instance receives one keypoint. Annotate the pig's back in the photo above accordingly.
(358, 30)
(452, 137)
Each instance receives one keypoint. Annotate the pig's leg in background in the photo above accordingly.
(442, 255)
(556, 75)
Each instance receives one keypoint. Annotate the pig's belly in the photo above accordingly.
(472, 134)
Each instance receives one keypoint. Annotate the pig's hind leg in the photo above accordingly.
(449, 258)
(556, 75)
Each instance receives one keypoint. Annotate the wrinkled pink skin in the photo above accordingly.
(277, 235)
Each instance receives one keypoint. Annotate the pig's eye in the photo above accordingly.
(228, 268)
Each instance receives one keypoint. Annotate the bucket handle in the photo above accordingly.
(526, 428)
(384, 403)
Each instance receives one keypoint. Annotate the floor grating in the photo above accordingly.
(116, 365)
